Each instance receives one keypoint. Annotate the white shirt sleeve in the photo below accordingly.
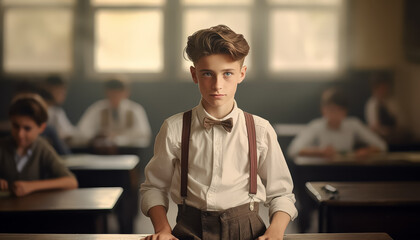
(65, 128)
(159, 172)
(89, 124)
(275, 176)
(304, 139)
(371, 112)
(368, 137)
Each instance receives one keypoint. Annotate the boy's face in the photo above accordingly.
(59, 94)
(334, 115)
(115, 96)
(217, 76)
(25, 130)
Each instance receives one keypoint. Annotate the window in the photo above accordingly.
(204, 14)
(37, 36)
(145, 39)
(305, 35)
(128, 36)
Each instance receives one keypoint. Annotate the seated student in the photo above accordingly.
(335, 132)
(57, 118)
(50, 132)
(27, 162)
(115, 120)
(382, 112)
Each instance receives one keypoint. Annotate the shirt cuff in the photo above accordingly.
(151, 198)
(284, 204)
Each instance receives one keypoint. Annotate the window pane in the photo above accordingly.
(127, 2)
(304, 40)
(195, 20)
(37, 2)
(306, 2)
(217, 2)
(128, 41)
(37, 40)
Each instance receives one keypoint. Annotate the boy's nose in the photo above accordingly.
(218, 82)
(21, 133)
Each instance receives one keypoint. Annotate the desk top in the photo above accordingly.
(367, 193)
(392, 158)
(315, 236)
(82, 199)
(101, 162)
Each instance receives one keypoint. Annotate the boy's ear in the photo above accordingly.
(42, 127)
(193, 75)
(243, 73)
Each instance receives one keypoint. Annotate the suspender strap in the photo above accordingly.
(185, 146)
(252, 143)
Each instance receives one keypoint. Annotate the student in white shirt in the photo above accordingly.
(115, 120)
(57, 88)
(218, 172)
(335, 132)
(383, 114)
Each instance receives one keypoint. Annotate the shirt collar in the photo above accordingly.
(202, 113)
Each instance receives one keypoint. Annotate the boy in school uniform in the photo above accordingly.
(335, 132)
(27, 162)
(116, 120)
(217, 161)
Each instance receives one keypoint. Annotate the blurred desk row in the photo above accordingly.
(389, 167)
(111, 179)
(341, 236)
(62, 211)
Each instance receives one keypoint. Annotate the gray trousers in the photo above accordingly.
(231, 224)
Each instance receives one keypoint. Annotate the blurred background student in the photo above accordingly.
(56, 89)
(335, 132)
(115, 121)
(383, 115)
(27, 162)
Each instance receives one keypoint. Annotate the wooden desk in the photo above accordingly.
(337, 236)
(111, 171)
(392, 207)
(61, 211)
(381, 167)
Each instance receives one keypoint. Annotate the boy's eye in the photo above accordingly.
(228, 74)
(207, 74)
(27, 129)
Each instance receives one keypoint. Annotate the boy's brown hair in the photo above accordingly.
(334, 96)
(219, 39)
(30, 105)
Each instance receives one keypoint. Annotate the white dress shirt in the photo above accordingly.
(58, 119)
(318, 134)
(137, 135)
(372, 111)
(218, 175)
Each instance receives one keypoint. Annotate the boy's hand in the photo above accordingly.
(160, 236)
(4, 186)
(21, 188)
(272, 234)
(277, 227)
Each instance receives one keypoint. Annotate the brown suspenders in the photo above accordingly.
(252, 143)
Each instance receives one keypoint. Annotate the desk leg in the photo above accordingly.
(322, 218)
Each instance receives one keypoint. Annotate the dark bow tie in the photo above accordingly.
(226, 124)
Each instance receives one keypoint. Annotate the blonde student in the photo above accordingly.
(216, 161)
(27, 162)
